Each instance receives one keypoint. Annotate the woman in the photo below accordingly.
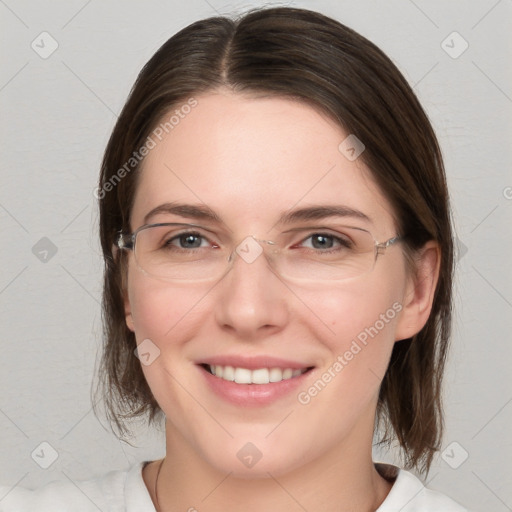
(278, 265)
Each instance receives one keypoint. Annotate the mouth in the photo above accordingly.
(241, 375)
(254, 382)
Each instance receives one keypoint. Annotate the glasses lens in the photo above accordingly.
(330, 256)
(177, 252)
(181, 252)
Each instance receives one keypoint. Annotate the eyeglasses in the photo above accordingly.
(178, 252)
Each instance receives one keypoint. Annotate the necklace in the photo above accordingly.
(156, 485)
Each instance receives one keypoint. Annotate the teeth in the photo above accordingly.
(287, 374)
(242, 376)
(227, 373)
(259, 376)
(276, 375)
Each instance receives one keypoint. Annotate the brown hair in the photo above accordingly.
(304, 55)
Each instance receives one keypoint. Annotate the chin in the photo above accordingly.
(255, 459)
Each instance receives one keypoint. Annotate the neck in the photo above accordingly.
(342, 480)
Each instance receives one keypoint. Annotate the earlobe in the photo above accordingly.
(114, 251)
(126, 299)
(420, 290)
(129, 322)
(128, 312)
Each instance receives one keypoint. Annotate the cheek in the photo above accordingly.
(355, 309)
(160, 310)
(362, 319)
(168, 316)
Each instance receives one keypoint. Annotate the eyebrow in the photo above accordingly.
(319, 212)
(203, 212)
(190, 211)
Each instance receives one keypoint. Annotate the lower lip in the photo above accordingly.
(252, 394)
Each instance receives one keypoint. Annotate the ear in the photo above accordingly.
(115, 251)
(128, 313)
(419, 291)
(126, 301)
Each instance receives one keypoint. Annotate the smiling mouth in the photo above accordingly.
(258, 376)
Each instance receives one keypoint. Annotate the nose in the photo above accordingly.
(253, 300)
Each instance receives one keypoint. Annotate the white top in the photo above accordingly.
(125, 491)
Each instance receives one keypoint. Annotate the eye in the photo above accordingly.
(325, 241)
(187, 241)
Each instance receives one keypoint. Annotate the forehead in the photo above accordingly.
(249, 159)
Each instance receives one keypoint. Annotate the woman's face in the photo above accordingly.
(250, 161)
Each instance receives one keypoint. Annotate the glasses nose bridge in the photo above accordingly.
(251, 248)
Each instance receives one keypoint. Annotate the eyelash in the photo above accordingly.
(168, 243)
(343, 242)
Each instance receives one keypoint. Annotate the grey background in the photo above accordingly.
(57, 114)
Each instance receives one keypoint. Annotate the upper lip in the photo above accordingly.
(254, 362)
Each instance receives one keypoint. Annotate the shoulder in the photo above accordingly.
(106, 493)
(408, 494)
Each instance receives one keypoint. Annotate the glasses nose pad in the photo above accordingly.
(250, 253)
